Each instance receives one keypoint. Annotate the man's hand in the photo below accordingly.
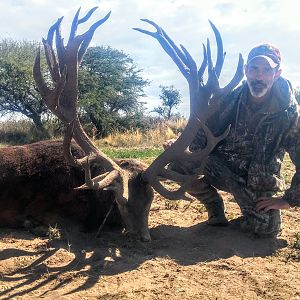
(267, 203)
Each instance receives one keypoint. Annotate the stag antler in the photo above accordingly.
(204, 102)
(62, 100)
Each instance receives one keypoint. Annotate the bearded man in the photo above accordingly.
(263, 114)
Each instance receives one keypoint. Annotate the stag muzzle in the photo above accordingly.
(136, 210)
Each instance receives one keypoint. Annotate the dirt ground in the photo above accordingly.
(187, 259)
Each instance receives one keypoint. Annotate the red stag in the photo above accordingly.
(131, 185)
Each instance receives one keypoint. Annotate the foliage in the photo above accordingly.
(17, 89)
(18, 132)
(110, 85)
(171, 98)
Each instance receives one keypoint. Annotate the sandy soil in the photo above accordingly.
(187, 259)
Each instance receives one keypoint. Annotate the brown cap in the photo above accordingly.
(268, 52)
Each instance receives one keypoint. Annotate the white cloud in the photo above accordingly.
(242, 23)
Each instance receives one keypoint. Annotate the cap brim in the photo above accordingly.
(267, 58)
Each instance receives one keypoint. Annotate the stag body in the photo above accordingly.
(37, 190)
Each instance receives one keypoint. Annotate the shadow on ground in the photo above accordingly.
(114, 253)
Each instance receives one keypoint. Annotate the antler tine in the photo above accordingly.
(174, 46)
(52, 29)
(190, 62)
(209, 58)
(51, 61)
(99, 182)
(50, 96)
(220, 53)
(87, 37)
(169, 46)
(88, 15)
(39, 79)
(212, 84)
(212, 141)
(171, 195)
(59, 42)
(67, 148)
(74, 26)
(204, 100)
(49, 52)
(62, 101)
(203, 64)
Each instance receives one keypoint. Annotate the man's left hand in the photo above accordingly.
(267, 203)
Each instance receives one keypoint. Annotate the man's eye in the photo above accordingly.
(268, 70)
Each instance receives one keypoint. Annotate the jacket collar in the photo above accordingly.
(281, 97)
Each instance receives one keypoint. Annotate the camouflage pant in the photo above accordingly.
(219, 176)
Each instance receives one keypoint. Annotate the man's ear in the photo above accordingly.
(277, 74)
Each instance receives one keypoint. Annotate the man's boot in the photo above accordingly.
(216, 213)
(212, 201)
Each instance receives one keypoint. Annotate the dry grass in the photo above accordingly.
(21, 131)
(151, 138)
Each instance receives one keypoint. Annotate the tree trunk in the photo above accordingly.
(101, 132)
(41, 131)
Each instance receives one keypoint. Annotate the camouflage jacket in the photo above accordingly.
(258, 139)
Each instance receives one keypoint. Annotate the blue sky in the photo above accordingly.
(243, 24)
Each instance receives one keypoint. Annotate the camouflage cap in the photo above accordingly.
(268, 52)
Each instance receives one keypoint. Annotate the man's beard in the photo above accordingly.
(258, 88)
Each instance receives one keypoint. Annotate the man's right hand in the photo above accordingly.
(268, 203)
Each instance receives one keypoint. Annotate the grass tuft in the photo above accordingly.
(53, 233)
(296, 241)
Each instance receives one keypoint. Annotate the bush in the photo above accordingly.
(153, 133)
(16, 132)
(159, 132)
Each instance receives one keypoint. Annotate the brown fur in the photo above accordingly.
(36, 189)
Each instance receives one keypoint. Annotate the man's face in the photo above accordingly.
(260, 76)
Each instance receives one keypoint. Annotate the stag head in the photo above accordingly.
(132, 186)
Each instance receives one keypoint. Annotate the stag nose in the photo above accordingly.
(146, 239)
(145, 236)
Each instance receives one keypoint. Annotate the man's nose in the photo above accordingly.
(259, 74)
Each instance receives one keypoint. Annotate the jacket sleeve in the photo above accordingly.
(292, 195)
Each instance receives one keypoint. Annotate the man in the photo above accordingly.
(263, 114)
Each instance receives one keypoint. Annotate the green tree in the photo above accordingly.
(171, 98)
(17, 89)
(110, 86)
